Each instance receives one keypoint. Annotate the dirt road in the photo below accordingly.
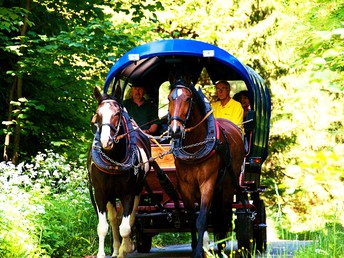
(280, 248)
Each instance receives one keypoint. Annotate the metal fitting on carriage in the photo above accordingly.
(253, 216)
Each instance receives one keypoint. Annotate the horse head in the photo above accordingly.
(107, 119)
(180, 105)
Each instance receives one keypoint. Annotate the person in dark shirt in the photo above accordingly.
(142, 111)
(242, 97)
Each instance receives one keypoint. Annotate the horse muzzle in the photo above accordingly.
(107, 143)
(176, 131)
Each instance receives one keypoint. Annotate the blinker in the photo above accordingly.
(175, 94)
(94, 124)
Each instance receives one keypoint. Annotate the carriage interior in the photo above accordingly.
(159, 104)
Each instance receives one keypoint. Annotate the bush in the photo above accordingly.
(46, 210)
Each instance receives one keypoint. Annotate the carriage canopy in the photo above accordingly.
(151, 64)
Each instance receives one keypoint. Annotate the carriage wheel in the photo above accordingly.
(260, 231)
(143, 243)
(244, 232)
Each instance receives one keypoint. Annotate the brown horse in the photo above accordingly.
(209, 154)
(117, 164)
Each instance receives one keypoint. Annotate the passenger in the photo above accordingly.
(226, 107)
(242, 97)
(142, 111)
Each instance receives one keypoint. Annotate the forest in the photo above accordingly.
(53, 53)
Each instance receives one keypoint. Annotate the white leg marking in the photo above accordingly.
(206, 240)
(102, 229)
(125, 229)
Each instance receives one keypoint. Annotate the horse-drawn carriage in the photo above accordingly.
(158, 65)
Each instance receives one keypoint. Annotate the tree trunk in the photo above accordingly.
(9, 122)
(18, 89)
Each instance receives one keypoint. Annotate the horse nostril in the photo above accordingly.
(175, 132)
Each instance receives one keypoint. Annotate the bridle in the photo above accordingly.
(174, 96)
(112, 127)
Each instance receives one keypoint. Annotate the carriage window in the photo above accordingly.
(163, 101)
(116, 87)
(127, 93)
(237, 86)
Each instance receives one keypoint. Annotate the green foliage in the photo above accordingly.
(321, 45)
(46, 209)
(165, 239)
(68, 49)
(327, 243)
(307, 130)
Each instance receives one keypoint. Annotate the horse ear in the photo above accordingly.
(97, 94)
(187, 79)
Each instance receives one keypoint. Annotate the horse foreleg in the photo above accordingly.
(201, 225)
(102, 230)
(133, 213)
(115, 231)
(128, 221)
(192, 223)
(220, 219)
(207, 192)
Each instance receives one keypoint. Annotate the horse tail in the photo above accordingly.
(90, 186)
(90, 189)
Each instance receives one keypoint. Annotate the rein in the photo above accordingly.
(204, 118)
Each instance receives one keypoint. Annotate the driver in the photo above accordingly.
(142, 110)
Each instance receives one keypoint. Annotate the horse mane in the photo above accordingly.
(111, 97)
(197, 96)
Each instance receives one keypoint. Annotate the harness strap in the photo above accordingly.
(204, 118)
(227, 157)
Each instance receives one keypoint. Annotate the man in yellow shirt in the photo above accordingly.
(226, 107)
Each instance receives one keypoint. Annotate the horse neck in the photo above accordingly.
(119, 150)
(199, 133)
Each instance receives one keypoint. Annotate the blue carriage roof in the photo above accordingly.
(149, 65)
(183, 50)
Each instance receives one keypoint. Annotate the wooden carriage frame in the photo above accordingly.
(150, 65)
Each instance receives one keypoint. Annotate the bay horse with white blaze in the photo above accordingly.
(209, 155)
(117, 164)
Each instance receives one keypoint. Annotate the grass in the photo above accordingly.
(326, 243)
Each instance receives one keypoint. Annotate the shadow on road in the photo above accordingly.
(280, 248)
